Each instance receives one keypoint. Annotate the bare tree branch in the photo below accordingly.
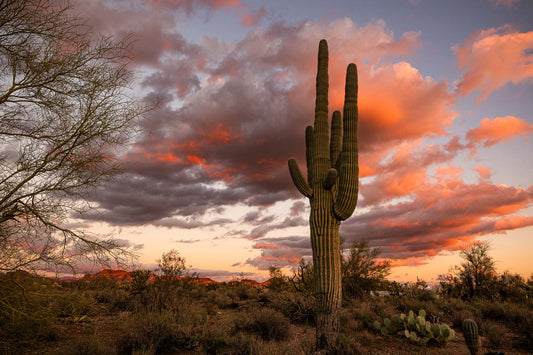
(64, 114)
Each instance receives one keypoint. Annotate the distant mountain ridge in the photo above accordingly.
(122, 276)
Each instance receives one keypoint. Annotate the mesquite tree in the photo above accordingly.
(332, 187)
(65, 114)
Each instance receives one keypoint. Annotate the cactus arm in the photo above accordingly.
(349, 167)
(321, 160)
(335, 144)
(298, 179)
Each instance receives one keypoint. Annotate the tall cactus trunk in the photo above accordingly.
(325, 241)
(332, 187)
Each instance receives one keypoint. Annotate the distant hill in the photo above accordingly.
(122, 276)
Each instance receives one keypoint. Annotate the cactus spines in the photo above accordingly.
(332, 187)
(471, 335)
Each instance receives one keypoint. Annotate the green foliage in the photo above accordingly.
(277, 280)
(474, 277)
(172, 264)
(416, 328)
(361, 271)
(139, 281)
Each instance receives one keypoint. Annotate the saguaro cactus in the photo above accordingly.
(332, 187)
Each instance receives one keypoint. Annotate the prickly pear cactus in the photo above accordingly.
(332, 187)
(471, 335)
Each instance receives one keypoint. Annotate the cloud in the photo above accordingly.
(493, 131)
(190, 5)
(507, 3)
(440, 216)
(253, 18)
(280, 252)
(493, 58)
(230, 138)
(233, 113)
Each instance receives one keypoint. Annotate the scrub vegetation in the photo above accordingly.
(143, 313)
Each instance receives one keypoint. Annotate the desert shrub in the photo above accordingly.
(165, 295)
(490, 310)
(90, 345)
(349, 323)
(383, 306)
(216, 342)
(365, 314)
(139, 281)
(161, 332)
(220, 298)
(264, 322)
(457, 317)
(300, 308)
(495, 333)
(25, 318)
(348, 343)
(525, 327)
(246, 292)
(74, 305)
(114, 299)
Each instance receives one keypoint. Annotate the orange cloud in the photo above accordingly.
(449, 170)
(493, 58)
(411, 261)
(512, 222)
(193, 159)
(395, 102)
(265, 246)
(496, 130)
(484, 173)
(220, 134)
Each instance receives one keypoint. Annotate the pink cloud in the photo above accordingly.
(493, 131)
(253, 18)
(449, 170)
(493, 58)
(189, 5)
(484, 173)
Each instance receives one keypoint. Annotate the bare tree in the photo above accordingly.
(64, 113)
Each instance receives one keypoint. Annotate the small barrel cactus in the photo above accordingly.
(471, 335)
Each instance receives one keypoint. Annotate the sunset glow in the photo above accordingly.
(445, 129)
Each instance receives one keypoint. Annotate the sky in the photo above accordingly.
(445, 130)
